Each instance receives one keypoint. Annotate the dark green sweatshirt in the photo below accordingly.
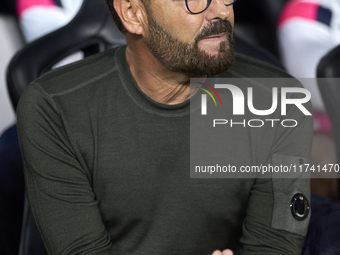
(107, 170)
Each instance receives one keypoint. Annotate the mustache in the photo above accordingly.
(217, 27)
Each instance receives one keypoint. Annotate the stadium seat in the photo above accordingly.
(328, 74)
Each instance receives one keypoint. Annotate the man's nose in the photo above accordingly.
(218, 10)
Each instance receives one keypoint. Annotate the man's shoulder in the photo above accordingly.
(247, 67)
(79, 73)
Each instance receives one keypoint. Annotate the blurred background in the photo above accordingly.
(10, 41)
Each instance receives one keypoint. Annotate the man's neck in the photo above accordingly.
(155, 80)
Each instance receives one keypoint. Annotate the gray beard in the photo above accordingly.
(179, 56)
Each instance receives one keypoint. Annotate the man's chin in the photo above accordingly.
(212, 52)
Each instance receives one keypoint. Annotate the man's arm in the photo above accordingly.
(270, 227)
(58, 185)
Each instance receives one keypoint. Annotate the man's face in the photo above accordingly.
(191, 43)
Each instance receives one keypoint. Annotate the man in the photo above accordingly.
(105, 145)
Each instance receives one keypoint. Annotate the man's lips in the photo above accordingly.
(215, 37)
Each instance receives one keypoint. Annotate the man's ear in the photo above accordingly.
(132, 14)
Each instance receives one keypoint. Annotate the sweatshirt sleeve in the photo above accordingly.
(59, 188)
(271, 227)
